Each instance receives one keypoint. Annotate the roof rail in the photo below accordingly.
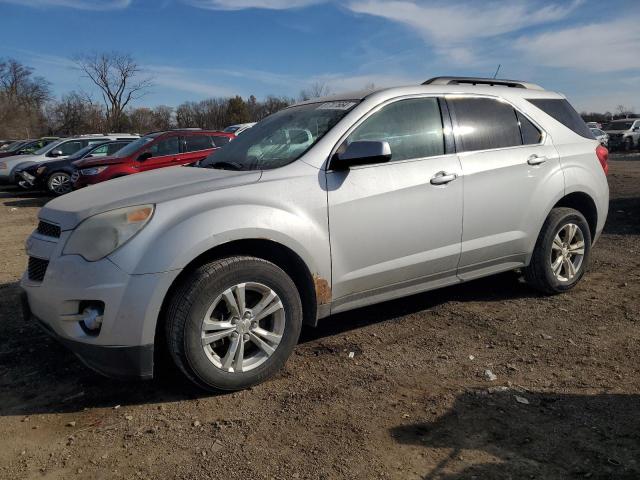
(494, 82)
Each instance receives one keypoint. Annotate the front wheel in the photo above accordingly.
(233, 323)
(59, 183)
(561, 253)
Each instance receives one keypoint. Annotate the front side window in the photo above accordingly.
(193, 143)
(485, 123)
(413, 129)
(114, 147)
(69, 148)
(166, 146)
(280, 138)
(100, 151)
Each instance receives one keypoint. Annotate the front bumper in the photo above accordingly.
(115, 362)
(124, 346)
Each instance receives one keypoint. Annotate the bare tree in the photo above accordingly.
(119, 79)
(316, 90)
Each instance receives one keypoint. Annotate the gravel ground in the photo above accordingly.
(413, 402)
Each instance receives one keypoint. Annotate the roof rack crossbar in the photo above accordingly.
(494, 82)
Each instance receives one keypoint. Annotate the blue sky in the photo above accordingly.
(194, 49)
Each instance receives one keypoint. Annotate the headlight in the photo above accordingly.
(93, 170)
(98, 236)
(40, 170)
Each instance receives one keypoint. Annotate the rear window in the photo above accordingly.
(564, 113)
(485, 123)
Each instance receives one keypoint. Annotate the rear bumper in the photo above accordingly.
(121, 362)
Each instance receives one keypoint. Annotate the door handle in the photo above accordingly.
(442, 178)
(536, 160)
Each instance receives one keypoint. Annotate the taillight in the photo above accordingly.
(603, 155)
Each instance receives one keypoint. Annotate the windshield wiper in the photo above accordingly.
(226, 166)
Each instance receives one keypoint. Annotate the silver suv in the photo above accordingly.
(323, 207)
(623, 133)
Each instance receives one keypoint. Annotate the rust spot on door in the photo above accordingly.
(323, 290)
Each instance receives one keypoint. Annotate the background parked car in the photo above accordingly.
(55, 176)
(623, 133)
(154, 150)
(4, 144)
(594, 125)
(27, 147)
(238, 128)
(56, 150)
(601, 136)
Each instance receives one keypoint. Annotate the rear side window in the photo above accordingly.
(564, 113)
(530, 133)
(220, 141)
(485, 123)
(193, 143)
(166, 146)
(412, 127)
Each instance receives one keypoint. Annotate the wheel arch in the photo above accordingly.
(310, 287)
(583, 203)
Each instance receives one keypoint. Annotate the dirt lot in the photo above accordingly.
(414, 401)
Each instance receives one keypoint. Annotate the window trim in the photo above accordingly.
(447, 131)
(458, 139)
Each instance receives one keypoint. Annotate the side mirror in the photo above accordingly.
(362, 152)
(56, 153)
(144, 156)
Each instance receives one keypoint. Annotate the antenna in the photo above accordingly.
(497, 70)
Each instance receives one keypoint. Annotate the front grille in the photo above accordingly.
(48, 229)
(37, 268)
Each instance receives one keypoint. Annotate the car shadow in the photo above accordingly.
(624, 216)
(549, 435)
(19, 197)
(38, 375)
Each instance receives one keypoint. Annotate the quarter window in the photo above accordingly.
(564, 113)
(485, 123)
(193, 143)
(166, 146)
(530, 133)
(413, 128)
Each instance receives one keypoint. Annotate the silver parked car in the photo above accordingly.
(601, 136)
(623, 133)
(398, 191)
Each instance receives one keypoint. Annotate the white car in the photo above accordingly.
(238, 128)
(602, 137)
(54, 151)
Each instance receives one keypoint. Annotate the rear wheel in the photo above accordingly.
(59, 183)
(561, 253)
(233, 323)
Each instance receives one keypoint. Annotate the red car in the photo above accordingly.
(154, 150)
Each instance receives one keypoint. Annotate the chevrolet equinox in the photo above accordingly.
(325, 206)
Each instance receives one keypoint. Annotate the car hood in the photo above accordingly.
(97, 161)
(15, 159)
(156, 186)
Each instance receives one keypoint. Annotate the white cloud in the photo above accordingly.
(77, 4)
(185, 81)
(244, 4)
(599, 47)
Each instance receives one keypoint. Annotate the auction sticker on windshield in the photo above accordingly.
(336, 105)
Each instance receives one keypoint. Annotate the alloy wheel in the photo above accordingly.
(567, 252)
(60, 183)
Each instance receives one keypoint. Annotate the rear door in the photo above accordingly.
(195, 148)
(164, 152)
(392, 230)
(511, 171)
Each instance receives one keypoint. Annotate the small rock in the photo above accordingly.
(471, 357)
(489, 375)
(129, 417)
(71, 424)
(405, 415)
(545, 336)
(522, 400)
(217, 446)
(196, 423)
(352, 354)
(116, 407)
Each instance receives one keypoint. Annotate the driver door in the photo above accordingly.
(164, 153)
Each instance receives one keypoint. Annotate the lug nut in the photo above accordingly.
(245, 337)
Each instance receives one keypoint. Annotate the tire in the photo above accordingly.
(540, 272)
(59, 183)
(204, 294)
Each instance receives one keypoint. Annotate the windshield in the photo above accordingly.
(133, 147)
(48, 147)
(618, 126)
(280, 138)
